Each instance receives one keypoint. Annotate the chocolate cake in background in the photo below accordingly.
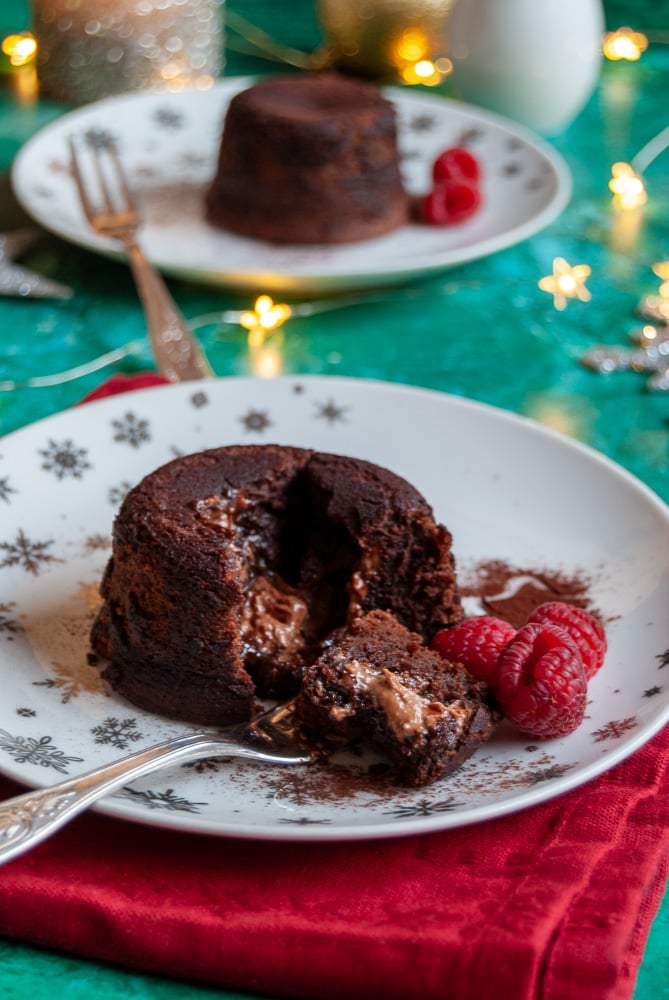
(381, 682)
(308, 158)
(233, 568)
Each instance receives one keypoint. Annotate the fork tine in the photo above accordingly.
(86, 203)
(121, 177)
(103, 185)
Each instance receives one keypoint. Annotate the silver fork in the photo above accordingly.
(28, 819)
(114, 213)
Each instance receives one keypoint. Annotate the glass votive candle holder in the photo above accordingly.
(88, 49)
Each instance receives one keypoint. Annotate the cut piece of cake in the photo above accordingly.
(380, 682)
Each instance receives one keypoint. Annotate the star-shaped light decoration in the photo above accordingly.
(261, 322)
(265, 317)
(649, 354)
(566, 282)
(624, 43)
(629, 191)
(19, 281)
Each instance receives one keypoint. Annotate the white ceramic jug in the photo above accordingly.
(536, 61)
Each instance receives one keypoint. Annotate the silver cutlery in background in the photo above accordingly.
(112, 212)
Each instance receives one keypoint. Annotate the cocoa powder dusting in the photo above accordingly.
(512, 592)
(496, 588)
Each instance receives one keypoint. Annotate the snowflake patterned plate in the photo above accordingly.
(508, 489)
(169, 144)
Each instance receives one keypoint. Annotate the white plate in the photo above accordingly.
(169, 143)
(506, 487)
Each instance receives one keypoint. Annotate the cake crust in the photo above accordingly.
(308, 159)
(233, 567)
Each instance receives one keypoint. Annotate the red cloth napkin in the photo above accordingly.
(551, 903)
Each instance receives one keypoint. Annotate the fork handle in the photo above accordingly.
(30, 818)
(177, 354)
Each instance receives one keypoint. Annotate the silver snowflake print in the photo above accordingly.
(256, 420)
(65, 459)
(6, 489)
(7, 623)
(511, 169)
(131, 429)
(30, 750)
(29, 555)
(422, 123)
(199, 399)
(203, 765)
(547, 773)
(652, 691)
(119, 733)
(168, 118)
(117, 494)
(160, 800)
(469, 135)
(331, 412)
(100, 138)
(303, 821)
(615, 729)
(26, 713)
(663, 658)
(96, 543)
(424, 807)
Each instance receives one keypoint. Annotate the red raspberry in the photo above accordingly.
(455, 163)
(585, 630)
(541, 682)
(476, 643)
(450, 202)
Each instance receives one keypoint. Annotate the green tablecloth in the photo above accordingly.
(484, 331)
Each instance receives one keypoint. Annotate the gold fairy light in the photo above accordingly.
(656, 307)
(412, 54)
(262, 321)
(265, 317)
(566, 282)
(662, 271)
(21, 49)
(426, 72)
(624, 43)
(629, 191)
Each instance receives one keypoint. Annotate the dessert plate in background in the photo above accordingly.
(497, 481)
(169, 144)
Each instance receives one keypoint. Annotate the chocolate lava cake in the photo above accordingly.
(309, 158)
(232, 569)
(380, 682)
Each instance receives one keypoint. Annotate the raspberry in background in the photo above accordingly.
(456, 163)
(451, 202)
(541, 681)
(584, 629)
(476, 643)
